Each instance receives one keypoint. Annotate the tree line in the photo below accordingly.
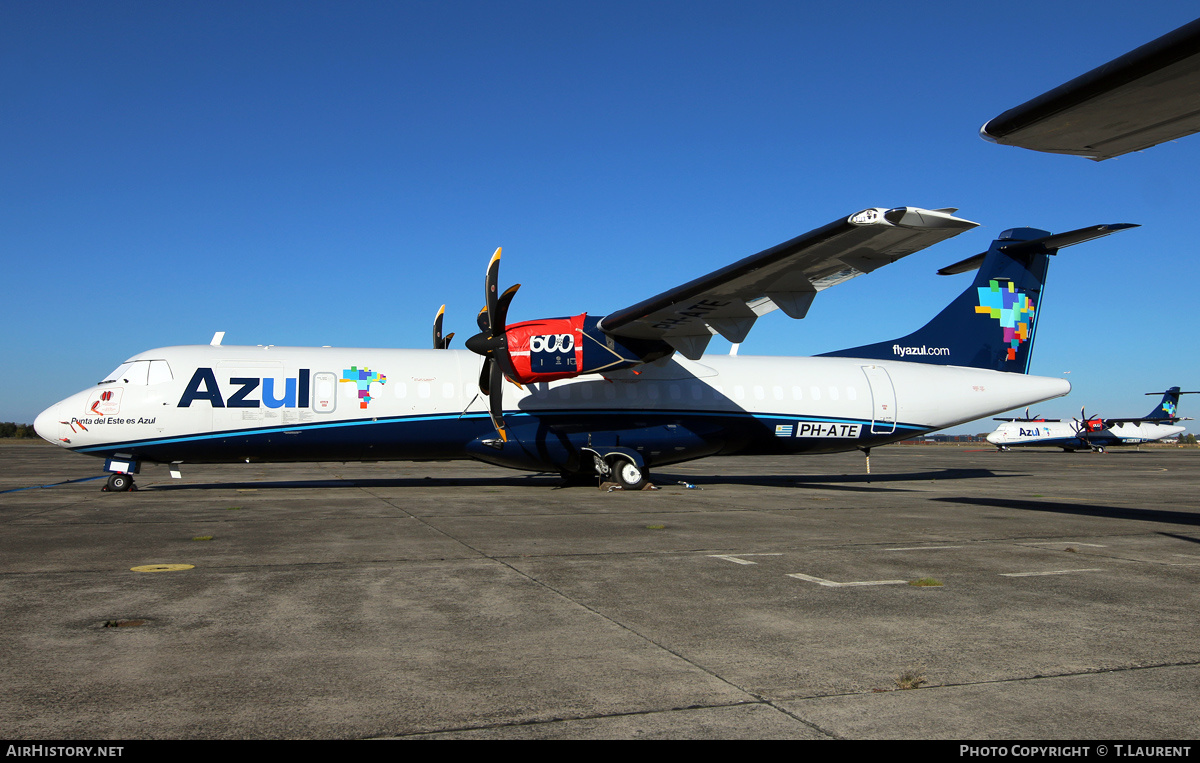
(10, 429)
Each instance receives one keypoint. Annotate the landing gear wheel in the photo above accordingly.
(629, 475)
(119, 483)
(1099, 448)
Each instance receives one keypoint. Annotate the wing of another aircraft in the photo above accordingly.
(787, 276)
(1145, 97)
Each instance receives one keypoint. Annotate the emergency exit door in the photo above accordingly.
(883, 400)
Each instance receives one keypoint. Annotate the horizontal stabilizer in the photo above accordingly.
(1045, 245)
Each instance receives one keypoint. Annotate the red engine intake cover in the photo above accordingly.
(546, 350)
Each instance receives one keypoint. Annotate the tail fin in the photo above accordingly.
(991, 324)
(1168, 408)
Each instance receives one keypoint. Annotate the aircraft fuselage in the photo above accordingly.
(218, 404)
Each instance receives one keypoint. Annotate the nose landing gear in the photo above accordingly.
(123, 467)
(119, 483)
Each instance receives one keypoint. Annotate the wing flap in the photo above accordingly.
(787, 276)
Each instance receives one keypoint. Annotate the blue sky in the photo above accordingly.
(301, 173)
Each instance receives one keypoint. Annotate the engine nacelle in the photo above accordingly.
(559, 348)
(547, 349)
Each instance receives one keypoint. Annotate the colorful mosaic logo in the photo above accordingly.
(1169, 408)
(363, 378)
(1013, 309)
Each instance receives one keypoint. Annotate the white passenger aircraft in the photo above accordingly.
(606, 396)
(1092, 433)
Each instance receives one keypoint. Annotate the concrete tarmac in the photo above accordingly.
(457, 600)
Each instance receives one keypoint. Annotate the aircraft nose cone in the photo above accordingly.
(993, 438)
(46, 425)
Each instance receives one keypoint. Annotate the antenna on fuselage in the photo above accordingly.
(218, 337)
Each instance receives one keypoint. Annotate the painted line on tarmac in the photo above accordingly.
(1048, 572)
(737, 559)
(833, 584)
(921, 548)
(162, 567)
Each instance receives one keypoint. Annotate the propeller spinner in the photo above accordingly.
(492, 343)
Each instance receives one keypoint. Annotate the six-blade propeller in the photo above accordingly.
(492, 344)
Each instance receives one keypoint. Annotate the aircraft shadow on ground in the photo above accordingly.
(1188, 538)
(862, 482)
(838, 481)
(531, 480)
(1083, 509)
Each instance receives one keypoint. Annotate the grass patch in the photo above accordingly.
(911, 678)
(925, 582)
(656, 527)
(203, 537)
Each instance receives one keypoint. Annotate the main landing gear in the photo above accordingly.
(620, 466)
(629, 475)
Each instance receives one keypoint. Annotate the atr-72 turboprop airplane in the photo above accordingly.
(606, 396)
(1092, 433)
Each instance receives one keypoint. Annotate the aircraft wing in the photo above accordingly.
(1145, 97)
(1146, 420)
(787, 276)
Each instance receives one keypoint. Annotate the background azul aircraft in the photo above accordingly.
(613, 396)
(1095, 432)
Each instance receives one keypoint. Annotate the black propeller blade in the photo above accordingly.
(1083, 426)
(440, 342)
(492, 344)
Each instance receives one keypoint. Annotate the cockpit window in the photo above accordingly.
(140, 372)
(119, 376)
(159, 372)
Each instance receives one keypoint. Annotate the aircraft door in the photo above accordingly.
(883, 400)
(324, 392)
